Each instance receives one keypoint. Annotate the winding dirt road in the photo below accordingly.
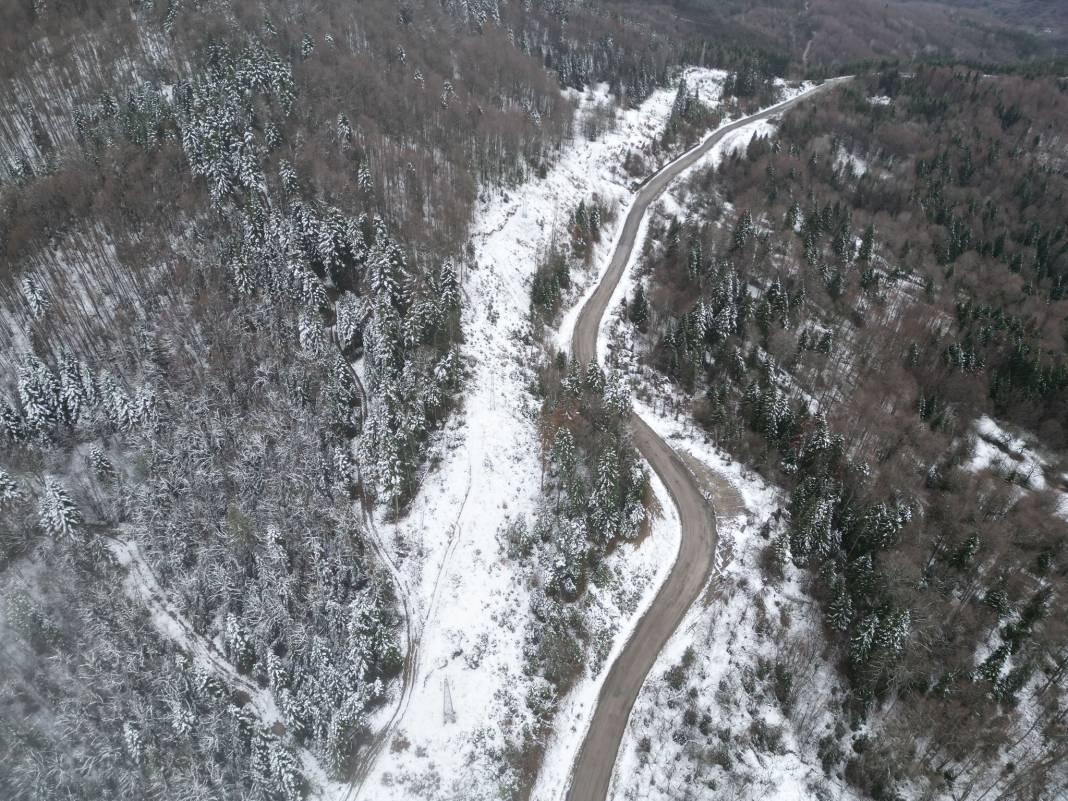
(592, 773)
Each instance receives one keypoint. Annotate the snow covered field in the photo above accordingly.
(1007, 455)
(730, 721)
(723, 726)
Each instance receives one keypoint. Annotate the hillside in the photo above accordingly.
(304, 492)
(849, 305)
(1048, 16)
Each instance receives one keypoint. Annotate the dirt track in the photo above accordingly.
(592, 773)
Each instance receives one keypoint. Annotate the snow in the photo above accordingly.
(726, 641)
(657, 555)
(625, 288)
(730, 642)
(82, 267)
(468, 603)
(721, 629)
(615, 186)
(141, 585)
(859, 166)
(1017, 458)
(598, 166)
(1007, 455)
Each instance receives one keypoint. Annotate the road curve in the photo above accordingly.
(592, 772)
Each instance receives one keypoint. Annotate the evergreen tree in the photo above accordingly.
(38, 392)
(743, 230)
(10, 492)
(638, 310)
(35, 297)
(57, 513)
(867, 244)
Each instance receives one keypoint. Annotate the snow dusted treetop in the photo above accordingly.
(58, 515)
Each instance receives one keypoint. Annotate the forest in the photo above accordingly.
(234, 236)
(841, 304)
(231, 310)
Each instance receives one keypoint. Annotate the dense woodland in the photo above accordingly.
(231, 321)
(232, 236)
(843, 302)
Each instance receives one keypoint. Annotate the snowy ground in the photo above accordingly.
(742, 740)
(1018, 459)
(141, 584)
(723, 728)
(619, 188)
(1007, 455)
(746, 694)
(468, 603)
(649, 563)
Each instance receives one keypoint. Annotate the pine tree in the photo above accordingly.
(743, 230)
(310, 333)
(364, 178)
(780, 553)
(679, 107)
(616, 397)
(100, 464)
(118, 410)
(38, 392)
(998, 600)
(345, 467)
(1007, 689)
(10, 493)
(72, 393)
(349, 311)
(991, 668)
(57, 513)
(288, 177)
(12, 423)
(863, 640)
(840, 610)
(563, 451)
(793, 215)
(35, 297)
(638, 310)
(343, 129)
(893, 631)
(605, 503)
(867, 244)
